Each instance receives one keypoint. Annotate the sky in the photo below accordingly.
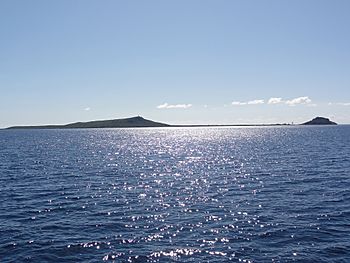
(176, 61)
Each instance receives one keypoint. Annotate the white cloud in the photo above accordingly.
(275, 101)
(252, 102)
(255, 102)
(300, 100)
(238, 103)
(87, 109)
(343, 103)
(174, 106)
(339, 103)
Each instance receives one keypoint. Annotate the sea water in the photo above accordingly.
(257, 194)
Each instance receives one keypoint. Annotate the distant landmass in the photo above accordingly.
(140, 122)
(320, 121)
(133, 122)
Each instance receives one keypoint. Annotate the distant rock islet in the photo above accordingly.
(320, 121)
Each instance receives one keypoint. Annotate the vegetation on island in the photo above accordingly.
(320, 121)
(133, 122)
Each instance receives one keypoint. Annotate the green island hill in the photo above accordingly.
(320, 121)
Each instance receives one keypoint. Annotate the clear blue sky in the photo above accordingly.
(181, 61)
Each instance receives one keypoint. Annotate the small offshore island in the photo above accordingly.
(140, 122)
(320, 121)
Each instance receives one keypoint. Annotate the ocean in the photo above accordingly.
(237, 194)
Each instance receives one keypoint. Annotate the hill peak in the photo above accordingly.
(132, 122)
(320, 121)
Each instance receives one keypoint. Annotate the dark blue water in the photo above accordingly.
(277, 194)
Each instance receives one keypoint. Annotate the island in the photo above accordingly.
(140, 122)
(133, 122)
(320, 121)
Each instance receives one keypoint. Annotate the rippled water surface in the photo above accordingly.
(276, 194)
